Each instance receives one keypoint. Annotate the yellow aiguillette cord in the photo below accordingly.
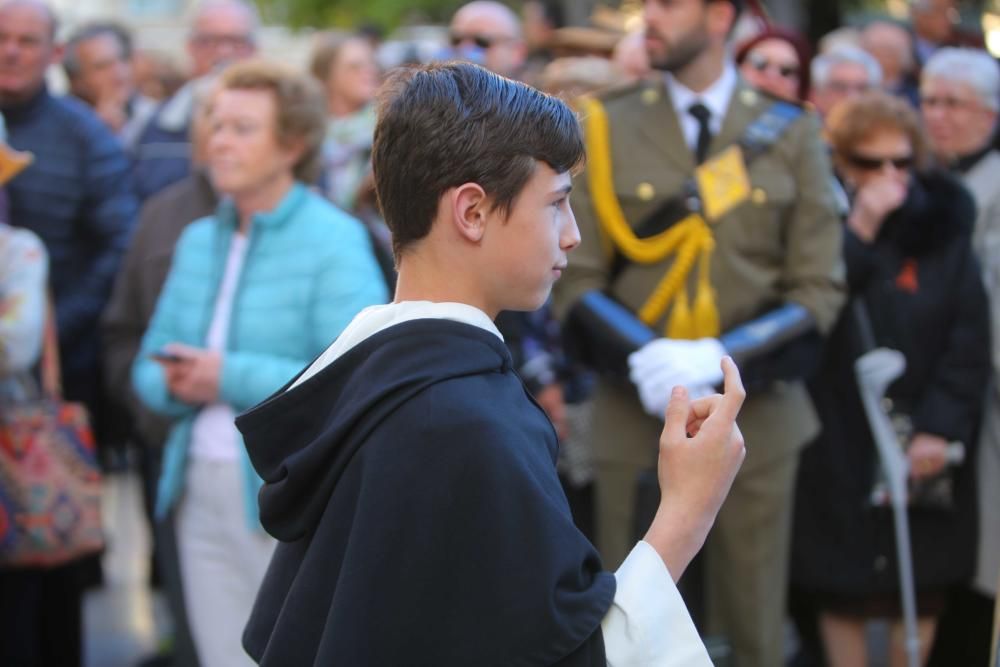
(686, 239)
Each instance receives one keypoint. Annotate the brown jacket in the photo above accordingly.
(138, 285)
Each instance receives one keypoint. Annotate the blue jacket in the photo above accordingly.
(161, 155)
(77, 197)
(308, 270)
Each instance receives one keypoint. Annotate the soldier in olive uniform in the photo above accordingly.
(743, 260)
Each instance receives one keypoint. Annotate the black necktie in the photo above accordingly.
(702, 115)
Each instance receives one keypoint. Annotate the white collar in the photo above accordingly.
(716, 97)
(373, 319)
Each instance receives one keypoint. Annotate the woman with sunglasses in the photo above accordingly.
(776, 60)
(914, 286)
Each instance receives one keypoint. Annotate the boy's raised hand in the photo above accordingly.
(701, 450)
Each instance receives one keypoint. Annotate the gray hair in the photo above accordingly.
(71, 53)
(976, 68)
(845, 55)
(208, 6)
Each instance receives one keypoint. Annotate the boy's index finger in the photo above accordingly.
(733, 393)
(675, 418)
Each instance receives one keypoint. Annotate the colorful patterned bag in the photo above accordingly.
(50, 484)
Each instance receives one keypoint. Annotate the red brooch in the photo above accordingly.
(907, 278)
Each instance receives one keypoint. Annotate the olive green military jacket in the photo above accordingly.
(782, 245)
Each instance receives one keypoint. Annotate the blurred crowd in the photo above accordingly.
(202, 232)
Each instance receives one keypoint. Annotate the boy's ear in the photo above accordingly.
(469, 206)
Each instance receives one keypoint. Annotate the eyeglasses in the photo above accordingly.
(867, 163)
(946, 103)
(220, 41)
(760, 63)
(484, 42)
(847, 87)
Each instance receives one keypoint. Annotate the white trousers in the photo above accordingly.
(222, 560)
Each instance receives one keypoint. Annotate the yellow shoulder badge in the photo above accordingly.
(723, 182)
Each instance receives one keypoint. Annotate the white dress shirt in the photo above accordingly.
(716, 99)
(648, 623)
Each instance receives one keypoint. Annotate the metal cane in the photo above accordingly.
(875, 371)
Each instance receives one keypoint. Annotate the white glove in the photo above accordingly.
(660, 365)
(698, 391)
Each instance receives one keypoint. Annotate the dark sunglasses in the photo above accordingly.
(761, 64)
(482, 41)
(876, 163)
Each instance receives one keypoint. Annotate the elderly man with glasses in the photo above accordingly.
(222, 31)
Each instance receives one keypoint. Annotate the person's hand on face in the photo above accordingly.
(874, 201)
(111, 108)
(879, 168)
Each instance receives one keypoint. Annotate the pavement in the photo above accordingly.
(125, 622)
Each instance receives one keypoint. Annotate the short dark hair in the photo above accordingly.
(446, 124)
(71, 54)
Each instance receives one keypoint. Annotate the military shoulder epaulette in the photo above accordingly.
(622, 90)
(760, 99)
(768, 98)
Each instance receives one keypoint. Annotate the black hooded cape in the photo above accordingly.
(413, 488)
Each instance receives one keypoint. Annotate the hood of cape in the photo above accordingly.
(300, 440)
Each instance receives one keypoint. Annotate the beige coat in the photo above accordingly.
(982, 182)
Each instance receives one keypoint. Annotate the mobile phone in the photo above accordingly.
(166, 355)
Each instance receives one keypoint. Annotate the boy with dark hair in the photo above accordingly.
(409, 475)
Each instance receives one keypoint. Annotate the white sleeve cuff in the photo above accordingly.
(648, 623)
